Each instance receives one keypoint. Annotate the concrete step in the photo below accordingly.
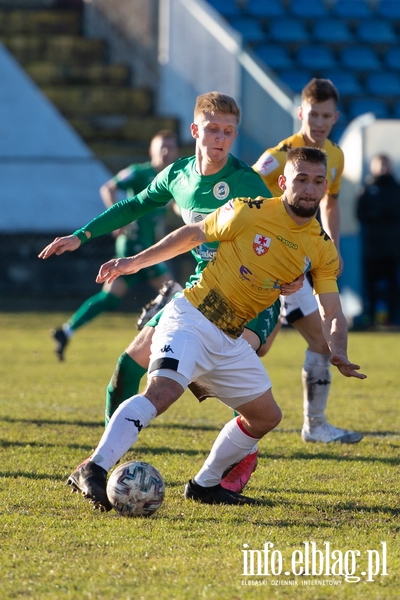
(121, 127)
(40, 22)
(61, 49)
(74, 101)
(47, 73)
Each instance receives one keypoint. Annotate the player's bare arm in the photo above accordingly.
(68, 243)
(334, 327)
(177, 242)
(330, 219)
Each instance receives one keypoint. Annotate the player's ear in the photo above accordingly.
(194, 130)
(282, 182)
(300, 112)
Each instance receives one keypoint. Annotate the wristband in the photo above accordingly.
(80, 234)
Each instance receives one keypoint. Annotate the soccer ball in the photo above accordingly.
(136, 489)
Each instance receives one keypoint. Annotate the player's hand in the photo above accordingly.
(346, 368)
(112, 269)
(69, 243)
(290, 288)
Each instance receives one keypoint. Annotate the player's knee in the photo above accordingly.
(275, 416)
(268, 420)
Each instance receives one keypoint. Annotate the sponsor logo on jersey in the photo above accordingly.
(204, 252)
(221, 190)
(266, 164)
(333, 173)
(267, 284)
(261, 244)
(287, 243)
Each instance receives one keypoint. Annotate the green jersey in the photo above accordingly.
(196, 195)
(143, 232)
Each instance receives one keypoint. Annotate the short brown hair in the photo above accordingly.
(320, 90)
(213, 102)
(308, 154)
(165, 133)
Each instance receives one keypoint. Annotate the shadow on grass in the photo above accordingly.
(181, 426)
(155, 424)
(154, 451)
(327, 456)
(31, 475)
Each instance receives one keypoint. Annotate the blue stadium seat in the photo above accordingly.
(315, 57)
(389, 9)
(392, 58)
(396, 111)
(359, 58)
(227, 8)
(289, 30)
(275, 56)
(295, 79)
(249, 28)
(332, 31)
(309, 9)
(383, 83)
(265, 9)
(352, 9)
(374, 105)
(376, 31)
(346, 82)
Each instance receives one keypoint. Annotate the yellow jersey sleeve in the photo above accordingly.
(272, 163)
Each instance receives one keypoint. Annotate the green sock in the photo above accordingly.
(123, 384)
(92, 307)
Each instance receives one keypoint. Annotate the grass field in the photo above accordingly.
(342, 498)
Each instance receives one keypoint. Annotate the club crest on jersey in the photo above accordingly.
(221, 190)
(261, 244)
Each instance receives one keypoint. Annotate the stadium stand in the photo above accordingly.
(356, 43)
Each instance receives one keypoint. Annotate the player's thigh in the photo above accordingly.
(310, 327)
(238, 376)
(139, 348)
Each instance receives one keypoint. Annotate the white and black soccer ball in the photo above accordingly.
(136, 489)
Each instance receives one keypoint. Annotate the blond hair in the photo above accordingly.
(215, 102)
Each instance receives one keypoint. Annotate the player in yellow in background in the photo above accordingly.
(318, 113)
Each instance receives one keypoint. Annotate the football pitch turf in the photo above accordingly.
(328, 526)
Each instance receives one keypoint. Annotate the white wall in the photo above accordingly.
(49, 179)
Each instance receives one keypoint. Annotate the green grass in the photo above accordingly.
(54, 546)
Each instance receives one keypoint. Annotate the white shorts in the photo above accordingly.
(187, 347)
(298, 305)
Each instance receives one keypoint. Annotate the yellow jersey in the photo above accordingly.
(261, 247)
(272, 162)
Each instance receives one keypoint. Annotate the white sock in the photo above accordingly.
(316, 377)
(123, 430)
(67, 330)
(231, 445)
